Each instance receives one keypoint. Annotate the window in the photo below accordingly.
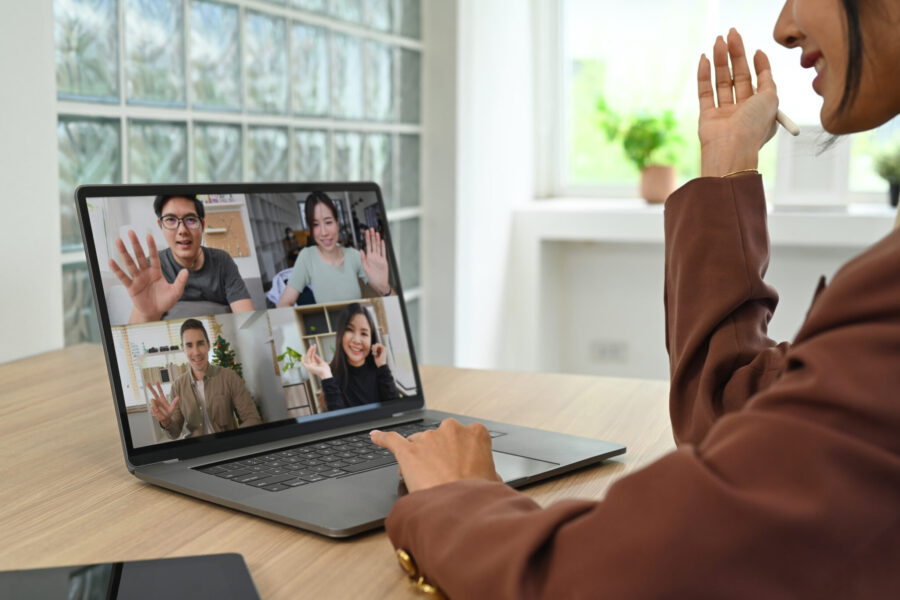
(197, 90)
(638, 64)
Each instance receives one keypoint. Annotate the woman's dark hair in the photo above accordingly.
(160, 201)
(339, 362)
(193, 324)
(311, 201)
(854, 54)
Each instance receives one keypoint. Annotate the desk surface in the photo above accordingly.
(66, 497)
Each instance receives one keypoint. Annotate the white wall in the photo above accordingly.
(610, 318)
(439, 185)
(31, 305)
(495, 157)
(250, 338)
(401, 368)
(590, 280)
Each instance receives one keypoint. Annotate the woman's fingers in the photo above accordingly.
(724, 85)
(313, 356)
(391, 440)
(705, 91)
(374, 243)
(764, 80)
(378, 245)
(743, 83)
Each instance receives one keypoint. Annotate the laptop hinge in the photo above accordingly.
(170, 461)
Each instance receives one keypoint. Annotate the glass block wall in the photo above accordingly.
(196, 90)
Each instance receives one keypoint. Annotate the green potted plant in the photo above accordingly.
(289, 360)
(651, 143)
(887, 165)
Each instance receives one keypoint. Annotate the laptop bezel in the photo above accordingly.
(265, 433)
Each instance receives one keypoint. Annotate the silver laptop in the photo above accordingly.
(212, 396)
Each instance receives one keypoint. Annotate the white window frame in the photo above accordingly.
(551, 84)
(123, 111)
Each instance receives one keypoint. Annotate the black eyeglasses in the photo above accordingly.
(190, 221)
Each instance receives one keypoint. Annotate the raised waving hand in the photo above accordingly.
(375, 263)
(315, 364)
(735, 120)
(151, 293)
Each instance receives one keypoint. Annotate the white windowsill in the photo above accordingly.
(635, 221)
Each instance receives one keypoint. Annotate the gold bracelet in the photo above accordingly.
(754, 171)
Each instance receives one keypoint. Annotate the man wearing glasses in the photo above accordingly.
(183, 272)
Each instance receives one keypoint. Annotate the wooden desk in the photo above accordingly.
(66, 497)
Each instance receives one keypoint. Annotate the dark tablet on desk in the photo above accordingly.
(217, 576)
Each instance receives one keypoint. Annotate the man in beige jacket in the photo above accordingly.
(207, 396)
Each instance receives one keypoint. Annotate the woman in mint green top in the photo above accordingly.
(332, 272)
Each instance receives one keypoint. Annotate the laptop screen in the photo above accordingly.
(233, 311)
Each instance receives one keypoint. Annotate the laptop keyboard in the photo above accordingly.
(316, 461)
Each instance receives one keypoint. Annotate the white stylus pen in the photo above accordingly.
(785, 121)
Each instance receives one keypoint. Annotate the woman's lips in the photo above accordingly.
(817, 82)
(816, 60)
(809, 59)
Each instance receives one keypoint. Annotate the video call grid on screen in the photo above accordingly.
(250, 246)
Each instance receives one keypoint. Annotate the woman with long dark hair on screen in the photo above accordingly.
(331, 270)
(786, 479)
(358, 373)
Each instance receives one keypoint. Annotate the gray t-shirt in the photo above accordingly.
(328, 283)
(218, 280)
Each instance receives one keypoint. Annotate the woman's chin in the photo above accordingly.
(356, 361)
(851, 120)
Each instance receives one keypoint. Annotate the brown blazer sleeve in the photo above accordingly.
(793, 492)
(717, 305)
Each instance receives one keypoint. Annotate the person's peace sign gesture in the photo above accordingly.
(160, 407)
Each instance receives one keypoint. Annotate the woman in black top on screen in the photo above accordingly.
(358, 373)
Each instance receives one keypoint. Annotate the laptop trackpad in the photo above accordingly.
(514, 468)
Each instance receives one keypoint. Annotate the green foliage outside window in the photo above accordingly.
(646, 140)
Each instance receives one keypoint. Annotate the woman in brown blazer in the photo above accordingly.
(786, 479)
